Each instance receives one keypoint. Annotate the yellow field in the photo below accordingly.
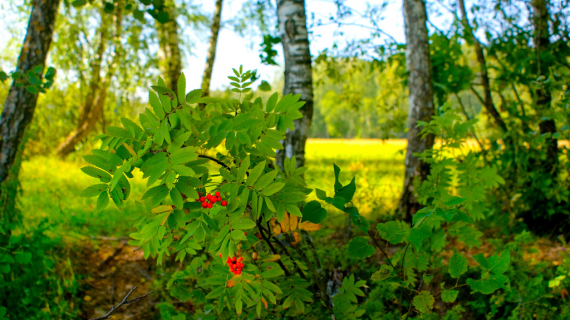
(50, 186)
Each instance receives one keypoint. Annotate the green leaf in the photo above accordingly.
(489, 285)
(382, 274)
(255, 174)
(293, 209)
(102, 201)
(23, 257)
(454, 201)
(97, 173)
(156, 105)
(181, 86)
(393, 231)
(273, 188)
(244, 224)
(183, 170)
(358, 247)
(418, 235)
(347, 192)
(94, 190)
(457, 265)
(422, 213)
(271, 102)
(423, 301)
(32, 89)
(177, 198)
(193, 96)
(427, 279)
(449, 295)
(313, 212)
(184, 155)
(265, 180)
(244, 166)
(79, 3)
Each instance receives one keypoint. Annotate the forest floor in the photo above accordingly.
(106, 267)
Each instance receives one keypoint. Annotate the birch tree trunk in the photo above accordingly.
(169, 51)
(298, 75)
(212, 49)
(543, 96)
(93, 107)
(420, 98)
(20, 104)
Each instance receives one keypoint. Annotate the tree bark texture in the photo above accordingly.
(543, 96)
(488, 100)
(169, 51)
(94, 105)
(20, 104)
(212, 49)
(420, 98)
(298, 75)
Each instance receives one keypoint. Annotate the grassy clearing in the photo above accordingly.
(50, 187)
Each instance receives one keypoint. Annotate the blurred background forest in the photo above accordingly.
(502, 63)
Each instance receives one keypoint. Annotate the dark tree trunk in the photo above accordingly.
(298, 75)
(543, 96)
(94, 105)
(170, 54)
(212, 49)
(420, 99)
(488, 100)
(20, 104)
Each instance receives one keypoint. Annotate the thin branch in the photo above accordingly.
(373, 236)
(215, 160)
(124, 302)
(284, 249)
(287, 273)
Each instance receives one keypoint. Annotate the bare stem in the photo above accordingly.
(124, 302)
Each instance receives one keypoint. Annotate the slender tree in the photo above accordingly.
(169, 42)
(212, 49)
(20, 104)
(420, 98)
(93, 107)
(540, 17)
(487, 99)
(298, 75)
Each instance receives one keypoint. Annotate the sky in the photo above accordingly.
(234, 50)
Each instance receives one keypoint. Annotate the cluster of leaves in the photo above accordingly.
(33, 80)
(171, 146)
(156, 9)
(423, 241)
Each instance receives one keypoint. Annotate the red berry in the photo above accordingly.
(224, 203)
(210, 206)
(217, 194)
(219, 199)
(204, 204)
(234, 259)
(220, 255)
(240, 259)
(202, 199)
(245, 234)
(229, 260)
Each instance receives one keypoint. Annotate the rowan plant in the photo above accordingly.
(215, 195)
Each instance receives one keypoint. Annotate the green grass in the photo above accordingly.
(51, 187)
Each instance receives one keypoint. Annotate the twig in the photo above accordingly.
(379, 247)
(124, 302)
(319, 274)
(287, 273)
(215, 160)
(284, 249)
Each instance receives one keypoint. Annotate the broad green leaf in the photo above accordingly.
(393, 231)
(418, 235)
(244, 166)
(457, 265)
(454, 201)
(490, 284)
(382, 274)
(193, 96)
(347, 192)
(102, 201)
(423, 301)
(97, 173)
(313, 212)
(183, 155)
(449, 296)
(293, 209)
(358, 247)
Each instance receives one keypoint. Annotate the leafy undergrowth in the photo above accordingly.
(93, 254)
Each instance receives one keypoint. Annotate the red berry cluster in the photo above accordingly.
(209, 200)
(235, 264)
